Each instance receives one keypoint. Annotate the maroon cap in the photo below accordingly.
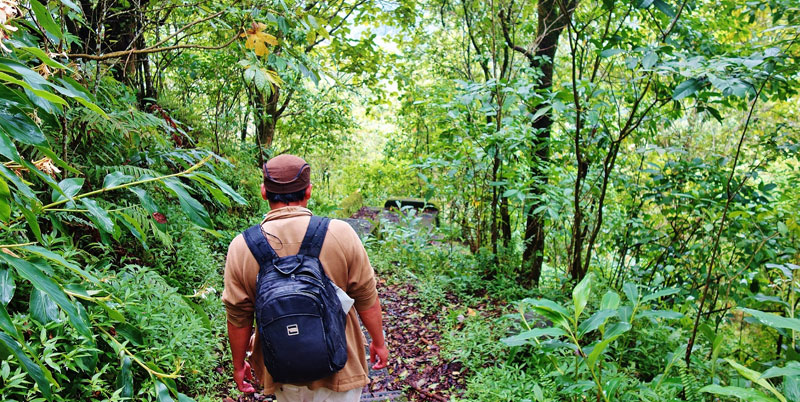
(286, 174)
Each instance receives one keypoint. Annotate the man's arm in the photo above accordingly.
(373, 321)
(240, 341)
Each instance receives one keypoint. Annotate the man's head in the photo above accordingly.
(287, 181)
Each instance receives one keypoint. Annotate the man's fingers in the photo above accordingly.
(246, 387)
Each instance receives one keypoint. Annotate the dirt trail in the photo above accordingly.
(416, 371)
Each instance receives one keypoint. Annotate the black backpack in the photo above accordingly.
(299, 316)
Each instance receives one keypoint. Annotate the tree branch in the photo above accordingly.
(125, 53)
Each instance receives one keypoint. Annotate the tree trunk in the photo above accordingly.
(553, 16)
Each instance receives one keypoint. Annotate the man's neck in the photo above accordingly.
(276, 205)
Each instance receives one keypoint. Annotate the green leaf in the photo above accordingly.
(7, 286)
(7, 147)
(48, 96)
(631, 292)
(16, 181)
(551, 310)
(73, 6)
(664, 7)
(45, 19)
(162, 393)
(69, 188)
(523, 337)
(131, 334)
(665, 314)
(34, 370)
(610, 52)
(41, 55)
(5, 201)
(134, 227)
(643, 3)
(580, 294)
(661, 293)
(792, 369)
(755, 377)
(99, 215)
(57, 258)
(42, 282)
(6, 324)
(184, 398)
(745, 394)
(650, 60)
(774, 320)
(114, 179)
(42, 307)
(125, 378)
(20, 127)
(610, 301)
(196, 212)
(145, 199)
(201, 313)
(228, 190)
(33, 223)
(685, 89)
(595, 321)
(614, 332)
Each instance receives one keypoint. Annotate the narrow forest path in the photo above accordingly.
(417, 371)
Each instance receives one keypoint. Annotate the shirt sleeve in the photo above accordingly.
(361, 282)
(236, 296)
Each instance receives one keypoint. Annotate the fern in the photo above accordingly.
(146, 221)
(689, 381)
(135, 171)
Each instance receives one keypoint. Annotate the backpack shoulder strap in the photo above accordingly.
(315, 236)
(259, 246)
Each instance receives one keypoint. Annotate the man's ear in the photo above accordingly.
(263, 192)
(308, 193)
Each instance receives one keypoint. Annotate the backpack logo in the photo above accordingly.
(292, 330)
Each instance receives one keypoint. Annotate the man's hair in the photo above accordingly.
(286, 198)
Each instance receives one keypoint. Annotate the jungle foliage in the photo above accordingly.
(618, 179)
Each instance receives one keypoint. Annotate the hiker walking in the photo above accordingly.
(299, 275)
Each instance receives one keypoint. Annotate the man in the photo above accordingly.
(287, 188)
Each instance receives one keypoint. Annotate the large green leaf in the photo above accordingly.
(40, 281)
(5, 201)
(7, 285)
(162, 393)
(631, 292)
(224, 187)
(7, 147)
(33, 222)
(57, 258)
(116, 178)
(610, 301)
(745, 394)
(145, 199)
(791, 369)
(184, 398)
(16, 181)
(69, 188)
(34, 370)
(774, 320)
(523, 337)
(42, 307)
(755, 377)
(45, 19)
(99, 216)
(661, 293)
(125, 377)
(196, 212)
(580, 294)
(48, 96)
(665, 314)
(6, 324)
(685, 89)
(614, 332)
(595, 321)
(551, 310)
(20, 127)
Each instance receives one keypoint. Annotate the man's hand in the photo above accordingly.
(242, 374)
(240, 340)
(379, 353)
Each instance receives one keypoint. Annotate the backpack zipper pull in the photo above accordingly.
(293, 277)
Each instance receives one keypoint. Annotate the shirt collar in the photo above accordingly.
(286, 212)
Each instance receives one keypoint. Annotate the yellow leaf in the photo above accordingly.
(257, 40)
(471, 312)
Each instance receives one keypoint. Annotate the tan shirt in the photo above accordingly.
(345, 262)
